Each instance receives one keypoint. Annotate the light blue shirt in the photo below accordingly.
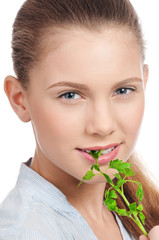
(36, 210)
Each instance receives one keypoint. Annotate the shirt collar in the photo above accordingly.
(31, 183)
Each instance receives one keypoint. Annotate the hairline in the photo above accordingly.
(53, 35)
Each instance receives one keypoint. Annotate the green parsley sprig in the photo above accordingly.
(123, 171)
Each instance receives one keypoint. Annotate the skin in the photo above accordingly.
(98, 116)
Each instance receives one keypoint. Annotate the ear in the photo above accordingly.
(16, 97)
(145, 74)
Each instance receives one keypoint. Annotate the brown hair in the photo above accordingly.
(37, 17)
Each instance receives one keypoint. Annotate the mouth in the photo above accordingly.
(108, 153)
(102, 153)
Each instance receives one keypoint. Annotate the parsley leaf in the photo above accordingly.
(123, 171)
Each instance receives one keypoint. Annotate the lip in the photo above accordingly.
(103, 158)
(97, 148)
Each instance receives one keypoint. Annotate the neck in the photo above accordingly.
(87, 199)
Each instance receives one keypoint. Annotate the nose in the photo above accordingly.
(101, 120)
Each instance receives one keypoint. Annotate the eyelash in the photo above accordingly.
(131, 89)
(64, 95)
(117, 93)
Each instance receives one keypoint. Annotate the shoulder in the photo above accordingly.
(22, 216)
(22, 234)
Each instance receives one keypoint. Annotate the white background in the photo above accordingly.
(16, 138)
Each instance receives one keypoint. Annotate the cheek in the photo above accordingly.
(53, 124)
(131, 117)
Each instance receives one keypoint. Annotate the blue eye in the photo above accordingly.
(70, 95)
(124, 91)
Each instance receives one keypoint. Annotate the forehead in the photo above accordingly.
(83, 56)
(88, 57)
(56, 39)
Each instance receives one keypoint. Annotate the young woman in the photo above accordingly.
(80, 80)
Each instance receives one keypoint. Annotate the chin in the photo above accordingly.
(96, 180)
(100, 179)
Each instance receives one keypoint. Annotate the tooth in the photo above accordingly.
(87, 151)
(107, 151)
(103, 152)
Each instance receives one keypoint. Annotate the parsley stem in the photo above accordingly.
(137, 221)
(123, 196)
(106, 170)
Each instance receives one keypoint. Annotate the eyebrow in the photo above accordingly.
(70, 84)
(128, 81)
(84, 87)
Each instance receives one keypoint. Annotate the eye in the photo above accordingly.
(70, 95)
(124, 91)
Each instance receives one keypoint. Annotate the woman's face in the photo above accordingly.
(88, 93)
